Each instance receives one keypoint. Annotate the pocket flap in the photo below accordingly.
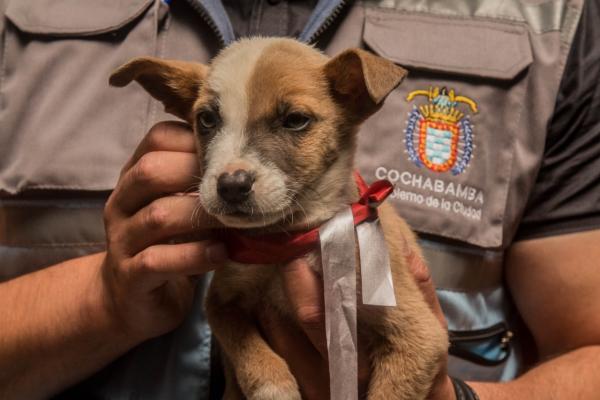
(483, 48)
(73, 17)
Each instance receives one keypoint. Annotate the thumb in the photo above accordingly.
(304, 289)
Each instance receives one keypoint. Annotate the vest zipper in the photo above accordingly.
(479, 333)
(463, 342)
(327, 23)
(199, 8)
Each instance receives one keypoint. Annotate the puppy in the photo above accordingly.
(276, 123)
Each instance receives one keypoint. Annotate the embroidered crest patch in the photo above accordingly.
(438, 134)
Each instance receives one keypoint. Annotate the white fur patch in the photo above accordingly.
(274, 392)
(230, 73)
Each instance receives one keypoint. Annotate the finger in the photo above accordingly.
(165, 218)
(304, 290)
(158, 263)
(422, 277)
(155, 175)
(306, 363)
(164, 136)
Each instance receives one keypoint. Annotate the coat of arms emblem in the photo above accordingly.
(439, 135)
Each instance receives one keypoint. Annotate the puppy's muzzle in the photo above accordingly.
(235, 188)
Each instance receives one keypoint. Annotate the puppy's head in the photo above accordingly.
(275, 122)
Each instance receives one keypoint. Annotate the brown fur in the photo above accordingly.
(286, 76)
(175, 83)
(404, 343)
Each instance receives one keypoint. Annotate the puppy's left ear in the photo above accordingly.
(175, 83)
(361, 81)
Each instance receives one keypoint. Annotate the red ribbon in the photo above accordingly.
(277, 248)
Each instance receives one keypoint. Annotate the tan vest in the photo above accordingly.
(462, 139)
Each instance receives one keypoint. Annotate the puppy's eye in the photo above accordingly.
(296, 121)
(208, 119)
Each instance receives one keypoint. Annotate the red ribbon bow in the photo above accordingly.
(277, 248)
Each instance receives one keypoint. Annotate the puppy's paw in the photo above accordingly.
(272, 391)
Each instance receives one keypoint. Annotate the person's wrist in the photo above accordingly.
(443, 389)
(463, 391)
(102, 308)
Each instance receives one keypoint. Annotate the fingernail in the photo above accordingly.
(216, 253)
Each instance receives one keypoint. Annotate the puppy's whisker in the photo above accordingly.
(262, 213)
(195, 216)
(194, 187)
(292, 197)
(191, 189)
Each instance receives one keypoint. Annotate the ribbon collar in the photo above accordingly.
(278, 248)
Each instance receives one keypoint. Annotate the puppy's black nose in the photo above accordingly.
(235, 188)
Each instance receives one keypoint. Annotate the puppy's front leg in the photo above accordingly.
(405, 350)
(261, 374)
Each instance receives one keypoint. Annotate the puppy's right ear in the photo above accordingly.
(175, 83)
(360, 81)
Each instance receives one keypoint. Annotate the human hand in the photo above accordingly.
(306, 351)
(149, 280)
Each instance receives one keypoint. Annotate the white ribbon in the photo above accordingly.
(376, 273)
(338, 254)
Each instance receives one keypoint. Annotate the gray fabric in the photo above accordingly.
(173, 366)
(3, 4)
(566, 195)
(470, 371)
(74, 17)
(267, 17)
(36, 234)
(466, 311)
(460, 268)
(323, 12)
(541, 16)
(34, 223)
(477, 210)
(451, 45)
(473, 310)
(214, 14)
(508, 142)
(50, 89)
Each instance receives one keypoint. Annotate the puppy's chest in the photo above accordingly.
(257, 286)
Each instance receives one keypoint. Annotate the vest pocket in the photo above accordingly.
(61, 125)
(482, 344)
(73, 17)
(488, 346)
(450, 129)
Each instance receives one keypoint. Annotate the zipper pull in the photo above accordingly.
(506, 338)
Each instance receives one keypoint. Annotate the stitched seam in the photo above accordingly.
(468, 239)
(516, 121)
(572, 17)
(455, 67)
(506, 71)
(565, 47)
(53, 29)
(516, 30)
(437, 14)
